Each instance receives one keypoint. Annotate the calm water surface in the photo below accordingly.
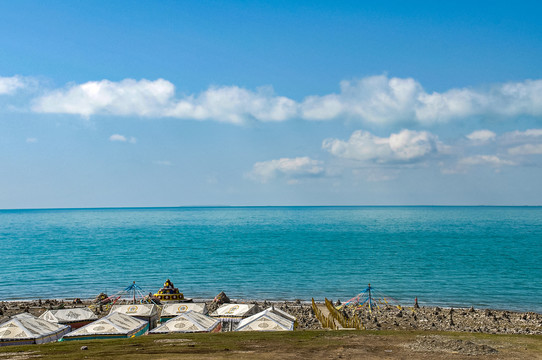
(450, 256)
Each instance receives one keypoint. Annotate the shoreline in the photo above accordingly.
(278, 301)
(424, 318)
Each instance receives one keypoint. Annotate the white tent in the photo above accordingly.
(114, 325)
(189, 321)
(146, 312)
(28, 329)
(76, 317)
(169, 311)
(231, 314)
(270, 319)
(235, 311)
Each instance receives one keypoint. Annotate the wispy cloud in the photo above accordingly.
(122, 138)
(481, 136)
(163, 162)
(291, 168)
(375, 99)
(527, 149)
(31, 140)
(9, 85)
(485, 160)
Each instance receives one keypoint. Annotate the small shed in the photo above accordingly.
(270, 319)
(188, 322)
(145, 312)
(75, 318)
(28, 329)
(114, 325)
(169, 311)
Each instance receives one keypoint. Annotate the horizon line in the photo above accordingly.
(247, 206)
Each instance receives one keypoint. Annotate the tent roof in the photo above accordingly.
(28, 327)
(189, 321)
(112, 324)
(147, 310)
(179, 308)
(268, 320)
(282, 313)
(68, 315)
(235, 310)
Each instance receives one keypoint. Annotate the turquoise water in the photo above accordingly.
(450, 256)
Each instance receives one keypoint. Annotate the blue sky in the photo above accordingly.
(270, 103)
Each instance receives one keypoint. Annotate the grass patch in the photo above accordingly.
(295, 345)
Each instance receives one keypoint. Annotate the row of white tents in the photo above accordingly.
(125, 321)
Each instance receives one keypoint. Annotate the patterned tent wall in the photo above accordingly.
(114, 325)
(189, 322)
(75, 318)
(30, 330)
(145, 312)
(169, 311)
(268, 320)
(231, 314)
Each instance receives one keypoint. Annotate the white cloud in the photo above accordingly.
(291, 168)
(122, 138)
(379, 99)
(527, 149)
(156, 98)
(31, 140)
(127, 97)
(235, 105)
(405, 146)
(481, 136)
(374, 99)
(9, 85)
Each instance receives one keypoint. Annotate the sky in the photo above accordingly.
(204, 103)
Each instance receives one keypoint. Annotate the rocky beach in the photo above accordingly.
(472, 320)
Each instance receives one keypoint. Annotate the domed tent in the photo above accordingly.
(169, 311)
(27, 329)
(145, 312)
(75, 318)
(270, 319)
(188, 322)
(114, 325)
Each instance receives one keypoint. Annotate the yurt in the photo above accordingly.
(169, 311)
(145, 312)
(28, 329)
(270, 319)
(114, 325)
(75, 318)
(188, 322)
(230, 314)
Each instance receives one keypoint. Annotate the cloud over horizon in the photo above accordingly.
(122, 138)
(291, 168)
(407, 146)
(377, 100)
